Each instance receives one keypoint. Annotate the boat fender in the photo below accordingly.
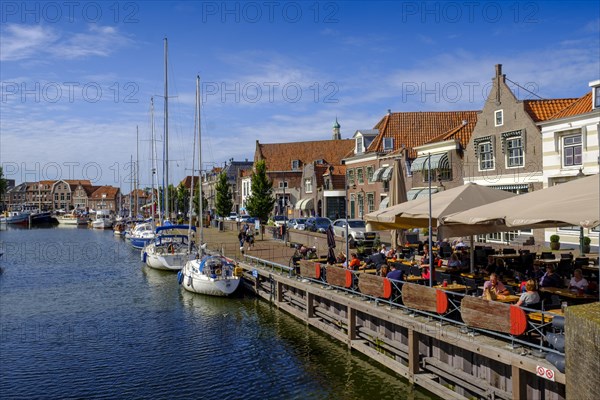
(218, 271)
(171, 248)
(144, 255)
(189, 282)
(179, 277)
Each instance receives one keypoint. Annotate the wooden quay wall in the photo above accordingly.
(438, 357)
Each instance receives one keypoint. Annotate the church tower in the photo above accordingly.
(336, 131)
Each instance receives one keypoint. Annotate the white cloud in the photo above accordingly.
(27, 42)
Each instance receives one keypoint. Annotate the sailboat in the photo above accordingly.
(213, 275)
(172, 246)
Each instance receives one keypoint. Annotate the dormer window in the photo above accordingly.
(499, 118)
(295, 164)
(388, 143)
(320, 161)
(597, 97)
(359, 145)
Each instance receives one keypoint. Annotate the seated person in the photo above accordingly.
(459, 244)
(550, 278)
(454, 261)
(354, 262)
(396, 273)
(536, 273)
(578, 282)
(391, 253)
(376, 260)
(341, 258)
(383, 249)
(495, 287)
(530, 296)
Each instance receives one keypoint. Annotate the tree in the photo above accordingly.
(2, 183)
(223, 201)
(182, 198)
(261, 202)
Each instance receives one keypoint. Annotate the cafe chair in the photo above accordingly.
(546, 255)
(472, 286)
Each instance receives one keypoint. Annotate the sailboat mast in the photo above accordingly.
(166, 136)
(137, 165)
(191, 205)
(131, 189)
(154, 166)
(200, 161)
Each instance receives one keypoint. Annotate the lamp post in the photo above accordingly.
(345, 208)
(580, 174)
(431, 268)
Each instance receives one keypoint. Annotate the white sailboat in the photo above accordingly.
(210, 275)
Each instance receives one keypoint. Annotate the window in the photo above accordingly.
(572, 150)
(56, 196)
(295, 164)
(597, 97)
(486, 156)
(352, 205)
(62, 197)
(514, 152)
(498, 118)
(360, 176)
(369, 174)
(441, 174)
(388, 143)
(350, 177)
(283, 184)
(359, 145)
(361, 205)
(370, 202)
(320, 161)
(308, 186)
(68, 196)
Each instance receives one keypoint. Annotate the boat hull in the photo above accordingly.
(221, 281)
(166, 262)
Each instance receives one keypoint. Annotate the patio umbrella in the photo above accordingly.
(397, 196)
(415, 213)
(331, 245)
(574, 203)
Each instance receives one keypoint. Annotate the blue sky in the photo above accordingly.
(77, 79)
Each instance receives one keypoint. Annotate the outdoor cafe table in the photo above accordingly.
(566, 293)
(452, 287)
(506, 256)
(414, 278)
(546, 317)
(547, 262)
(509, 298)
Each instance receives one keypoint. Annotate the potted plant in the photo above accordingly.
(554, 242)
(586, 244)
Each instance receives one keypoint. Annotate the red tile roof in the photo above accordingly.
(541, 110)
(581, 106)
(279, 156)
(110, 191)
(411, 129)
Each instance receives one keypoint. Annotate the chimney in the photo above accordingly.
(499, 78)
(389, 111)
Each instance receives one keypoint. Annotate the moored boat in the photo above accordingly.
(104, 220)
(171, 248)
(211, 275)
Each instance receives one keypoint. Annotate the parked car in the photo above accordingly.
(317, 224)
(232, 217)
(279, 220)
(356, 230)
(297, 223)
(246, 218)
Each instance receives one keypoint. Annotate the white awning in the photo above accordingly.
(417, 193)
(384, 203)
(387, 174)
(304, 204)
(377, 174)
(438, 161)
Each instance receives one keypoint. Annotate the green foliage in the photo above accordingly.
(261, 202)
(587, 241)
(223, 202)
(2, 183)
(182, 198)
(554, 238)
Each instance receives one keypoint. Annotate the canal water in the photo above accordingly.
(81, 317)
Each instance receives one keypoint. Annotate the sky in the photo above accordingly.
(77, 78)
